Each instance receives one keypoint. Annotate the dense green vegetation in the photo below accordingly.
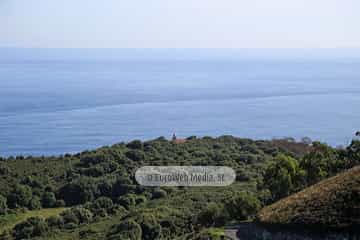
(104, 201)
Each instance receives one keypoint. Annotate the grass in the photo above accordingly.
(216, 232)
(8, 221)
(333, 202)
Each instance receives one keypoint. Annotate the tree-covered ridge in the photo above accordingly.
(105, 202)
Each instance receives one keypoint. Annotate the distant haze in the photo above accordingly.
(180, 24)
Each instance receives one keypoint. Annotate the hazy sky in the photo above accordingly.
(180, 23)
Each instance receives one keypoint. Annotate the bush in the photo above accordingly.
(32, 227)
(21, 196)
(78, 192)
(127, 229)
(159, 193)
(212, 215)
(69, 216)
(49, 200)
(128, 201)
(318, 163)
(60, 203)
(283, 176)
(55, 221)
(77, 215)
(3, 205)
(101, 206)
(150, 228)
(136, 144)
(242, 206)
(35, 203)
(104, 203)
(135, 155)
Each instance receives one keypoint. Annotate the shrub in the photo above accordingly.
(60, 203)
(135, 155)
(35, 203)
(136, 144)
(127, 229)
(21, 196)
(78, 192)
(92, 159)
(32, 227)
(3, 205)
(212, 215)
(128, 201)
(283, 176)
(159, 193)
(55, 221)
(150, 228)
(77, 215)
(104, 203)
(242, 206)
(69, 216)
(48, 200)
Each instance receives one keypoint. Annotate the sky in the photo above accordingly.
(180, 23)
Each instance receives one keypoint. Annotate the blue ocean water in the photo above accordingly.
(68, 100)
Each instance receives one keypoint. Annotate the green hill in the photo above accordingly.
(334, 203)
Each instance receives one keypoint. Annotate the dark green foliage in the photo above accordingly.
(135, 155)
(77, 215)
(20, 197)
(151, 229)
(127, 229)
(242, 206)
(3, 205)
(213, 215)
(35, 203)
(353, 154)
(319, 163)
(92, 158)
(283, 176)
(49, 200)
(101, 206)
(159, 193)
(102, 184)
(78, 192)
(55, 222)
(136, 144)
(32, 227)
(127, 201)
(60, 203)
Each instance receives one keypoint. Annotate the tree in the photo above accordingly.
(3, 205)
(136, 144)
(21, 196)
(319, 163)
(78, 192)
(35, 203)
(128, 229)
(48, 200)
(77, 215)
(127, 201)
(353, 154)
(150, 228)
(212, 215)
(283, 176)
(32, 227)
(242, 206)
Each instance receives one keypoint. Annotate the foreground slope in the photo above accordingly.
(334, 202)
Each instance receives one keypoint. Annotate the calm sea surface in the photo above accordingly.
(58, 101)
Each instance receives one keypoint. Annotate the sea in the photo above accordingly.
(57, 101)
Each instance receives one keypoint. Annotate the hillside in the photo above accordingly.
(102, 200)
(334, 202)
